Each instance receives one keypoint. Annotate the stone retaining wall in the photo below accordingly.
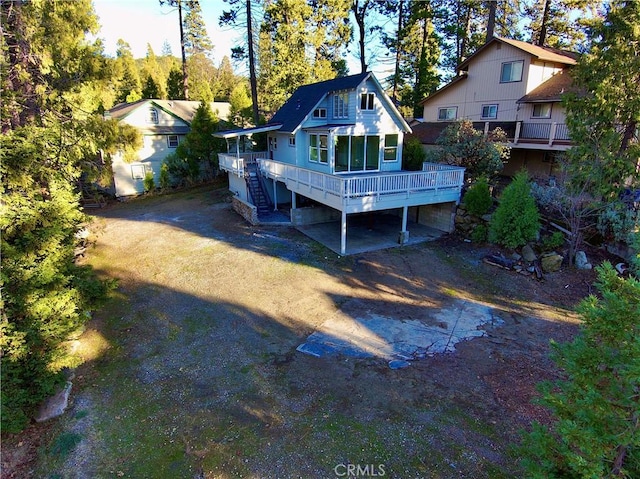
(248, 211)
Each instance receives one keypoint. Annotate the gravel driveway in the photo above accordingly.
(192, 371)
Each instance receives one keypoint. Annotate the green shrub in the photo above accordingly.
(516, 221)
(553, 241)
(149, 183)
(413, 155)
(595, 434)
(164, 176)
(477, 200)
(480, 234)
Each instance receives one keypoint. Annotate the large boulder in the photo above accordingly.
(551, 262)
(55, 405)
(528, 254)
(581, 261)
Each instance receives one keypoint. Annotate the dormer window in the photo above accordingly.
(367, 101)
(511, 72)
(341, 105)
(320, 113)
(152, 116)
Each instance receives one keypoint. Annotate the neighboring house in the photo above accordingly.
(163, 124)
(335, 149)
(516, 86)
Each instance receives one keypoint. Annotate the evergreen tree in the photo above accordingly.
(199, 149)
(596, 405)
(284, 64)
(559, 23)
(329, 35)
(196, 38)
(174, 85)
(129, 88)
(297, 46)
(202, 78)
(233, 17)
(240, 109)
(603, 114)
(155, 81)
(151, 89)
(185, 75)
(226, 79)
(48, 141)
(516, 221)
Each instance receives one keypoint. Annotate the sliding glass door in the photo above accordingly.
(357, 153)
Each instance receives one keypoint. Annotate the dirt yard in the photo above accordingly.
(191, 370)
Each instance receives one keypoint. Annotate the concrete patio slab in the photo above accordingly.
(397, 340)
(380, 231)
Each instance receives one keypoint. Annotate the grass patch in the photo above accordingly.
(63, 444)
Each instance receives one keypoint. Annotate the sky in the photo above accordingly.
(139, 22)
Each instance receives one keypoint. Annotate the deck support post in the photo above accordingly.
(404, 234)
(293, 200)
(275, 195)
(343, 234)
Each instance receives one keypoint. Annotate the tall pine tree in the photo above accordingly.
(49, 140)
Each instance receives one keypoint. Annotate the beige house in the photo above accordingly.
(163, 124)
(513, 85)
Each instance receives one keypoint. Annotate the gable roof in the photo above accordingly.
(306, 97)
(183, 109)
(541, 53)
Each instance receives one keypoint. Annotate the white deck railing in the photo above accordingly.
(433, 178)
(235, 164)
(351, 189)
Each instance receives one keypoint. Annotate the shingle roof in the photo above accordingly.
(183, 109)
(305, 98)
(542, 53)
(551, 90)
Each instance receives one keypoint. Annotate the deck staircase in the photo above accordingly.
(254, 183)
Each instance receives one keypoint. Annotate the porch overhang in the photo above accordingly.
(247, 131)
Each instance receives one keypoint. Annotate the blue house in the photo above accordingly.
(335, 149)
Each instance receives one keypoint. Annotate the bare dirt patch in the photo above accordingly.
(197, 373)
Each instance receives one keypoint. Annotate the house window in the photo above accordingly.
(152, 116)
(511, 72)
(541, 110)
(318, 148)
(273, 143)
(292, 141)
(367, 101)
(320, 113)
(357, 153)
(447, 114)
(489, 111)
(172, 141)
(341, 105)
(390, 147)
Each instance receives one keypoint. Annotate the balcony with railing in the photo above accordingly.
(354, 193)
(370, 191)
(543, 135)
